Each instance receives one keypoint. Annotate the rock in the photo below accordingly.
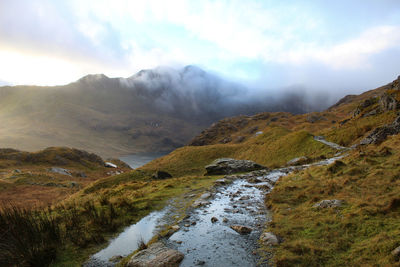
(17, 171)
(73, 184)
(387, 102)
(243, 230)
(254, 180)
(187, 225)
(380, 134)
(156, 255)
(228, 166)
(298, 161)
(175, 228)
(269, 239)
(205, 196)
(328, 203)
(259, 133)
(244, 198)
(59, 171)
(314, 118)
(199, 203)
(160, 175)
(116, 258)
(220, 182)
(80, 174)
(110, 165)
(396, 252)
(199, 262)
(214, 219)
(225, 220)
(225, 140)
(239, 139)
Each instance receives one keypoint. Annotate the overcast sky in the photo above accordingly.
(324, 45)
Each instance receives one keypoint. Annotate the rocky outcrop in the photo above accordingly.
(156, 255)
(328, 203)
(161, 175)
(243, 230)
(110, 165)
(380, 134)
(228, 166)
(60, 171)
(388, 102)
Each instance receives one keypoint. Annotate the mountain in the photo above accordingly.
(343, 212)
(154, 110)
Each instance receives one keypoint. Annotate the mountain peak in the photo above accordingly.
(93, 78)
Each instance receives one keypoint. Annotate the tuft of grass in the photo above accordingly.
(28, 237)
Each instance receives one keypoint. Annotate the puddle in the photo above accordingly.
(127, 241)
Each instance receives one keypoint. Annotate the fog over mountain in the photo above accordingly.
(153, 110)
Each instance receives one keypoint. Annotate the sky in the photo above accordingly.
(335, 46)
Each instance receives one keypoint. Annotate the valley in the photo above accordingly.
(327, 191)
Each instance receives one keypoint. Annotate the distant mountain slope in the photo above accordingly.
(153, 110)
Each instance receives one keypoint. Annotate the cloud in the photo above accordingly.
(273, 42)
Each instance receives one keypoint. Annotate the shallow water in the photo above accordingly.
(216, 244)
(138, 160)
(127, 241)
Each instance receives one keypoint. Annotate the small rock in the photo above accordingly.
(254, 180)
(17, 171)
(205, 196)
(269, 239)
(175, 228)
(187, 225)
(178, 242)
(116, 258)
(110, 165)
(328, 203)
(200, 262)
(220, 182)
(243, 230)
(193, 223)
(214, 219)
(156, 255)
(244, 198)
(225, 220)
(80, 174)
(396, 252)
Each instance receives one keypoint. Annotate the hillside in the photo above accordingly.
(360, 231)
(154, 110)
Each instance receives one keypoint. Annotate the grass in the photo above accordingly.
(361, 233)
(273, 148)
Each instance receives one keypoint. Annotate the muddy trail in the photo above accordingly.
(206, 236)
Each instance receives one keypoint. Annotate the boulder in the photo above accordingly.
(243, 230)
(59, 171)
(205, 196)
(161, 175)
(156, 255)
(228, 166)
(380, 134)
(110, 165)
(269, 239)
(328, 203)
